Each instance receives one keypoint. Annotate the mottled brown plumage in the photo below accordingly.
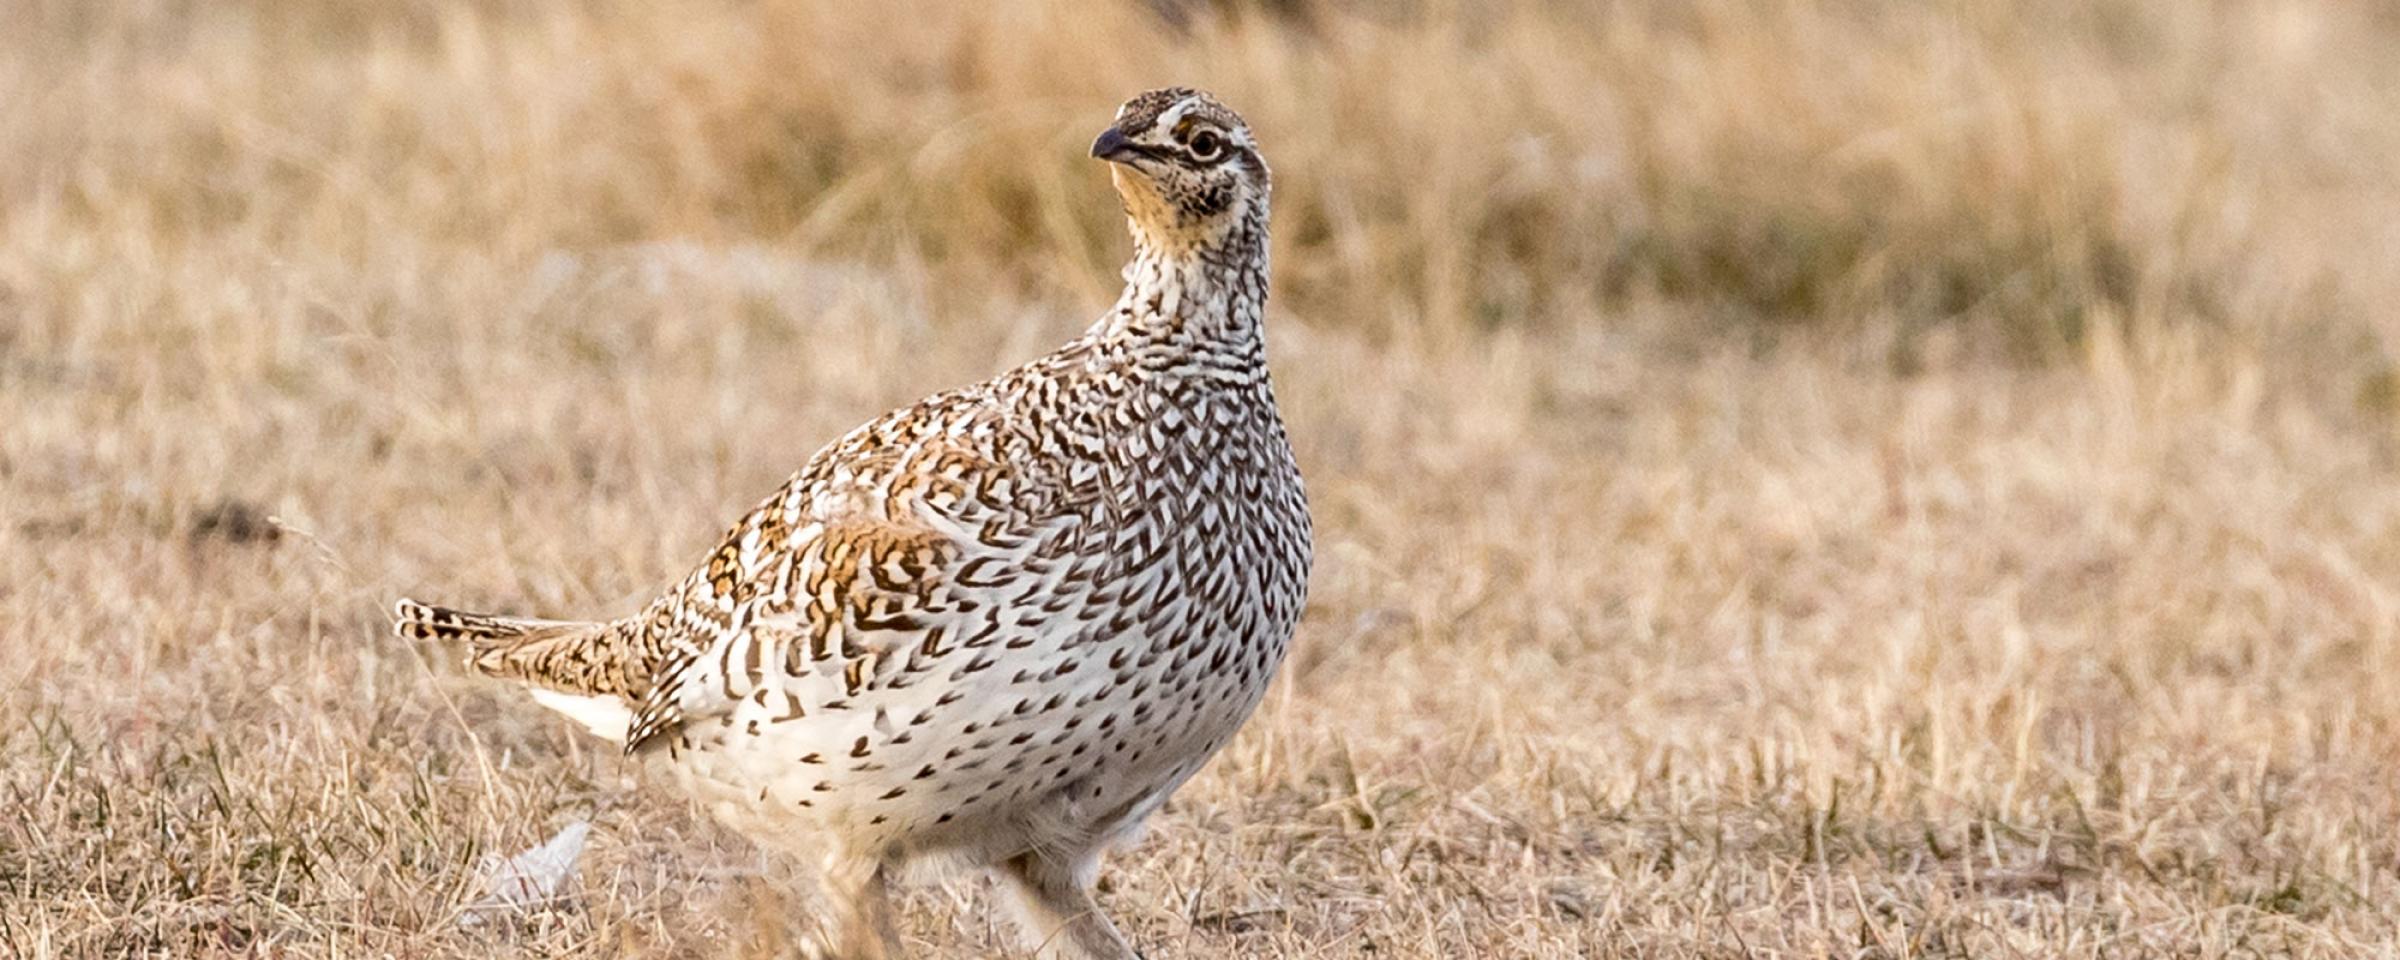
(999, 626)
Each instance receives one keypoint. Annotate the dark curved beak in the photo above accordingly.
(1114, 147)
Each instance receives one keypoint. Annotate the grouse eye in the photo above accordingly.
(1205, 145)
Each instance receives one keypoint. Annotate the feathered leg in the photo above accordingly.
(1054, 910)
(860, 927)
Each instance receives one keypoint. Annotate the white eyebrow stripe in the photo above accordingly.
(1174, 114)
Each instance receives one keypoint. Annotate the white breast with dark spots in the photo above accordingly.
(1079, 678)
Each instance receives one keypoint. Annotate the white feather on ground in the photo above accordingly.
(532, 880)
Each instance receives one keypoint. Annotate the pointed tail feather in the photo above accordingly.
(567, 655)
(424, 621)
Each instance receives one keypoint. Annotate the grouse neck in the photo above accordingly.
(1206, 297)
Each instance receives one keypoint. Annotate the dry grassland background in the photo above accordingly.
(1827, 479)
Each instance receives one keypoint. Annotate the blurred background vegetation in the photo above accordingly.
(1995, 178)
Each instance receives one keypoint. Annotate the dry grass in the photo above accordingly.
(1833, 479)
